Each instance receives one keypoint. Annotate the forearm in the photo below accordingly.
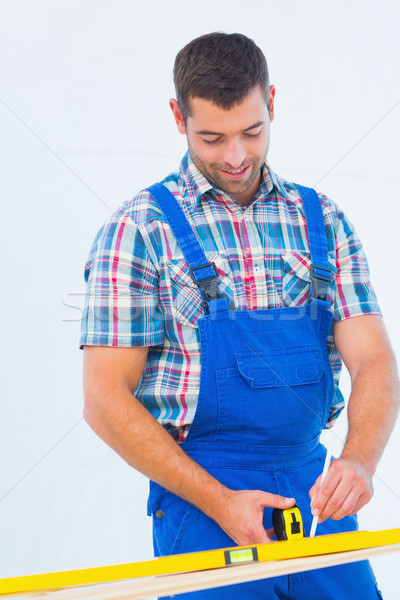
(373, 408)
(125, 425)
(111, 375)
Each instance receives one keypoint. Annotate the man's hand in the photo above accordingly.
(242, 517)
(346, 488)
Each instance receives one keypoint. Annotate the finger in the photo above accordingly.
(347, 508)
(248, 536)
(276, 501)
(270, 533)
(325, 491)
(335, 502)
(337, 510)
(362, 501)
(352, 504)
(260, 537)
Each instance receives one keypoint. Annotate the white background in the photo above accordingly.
(85, 124)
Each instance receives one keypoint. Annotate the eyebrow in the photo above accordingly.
(205, 132)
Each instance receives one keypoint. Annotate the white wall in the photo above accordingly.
(85, 123)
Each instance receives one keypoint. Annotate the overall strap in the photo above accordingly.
(203, 272)
(320, 273)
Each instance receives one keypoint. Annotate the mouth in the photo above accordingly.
(237, 173)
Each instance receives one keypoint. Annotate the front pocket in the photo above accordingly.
(296, 279)
(168, 531)
(272, 398)
(186, 295)
(297, 366)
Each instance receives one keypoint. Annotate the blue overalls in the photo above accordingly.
(265, 392)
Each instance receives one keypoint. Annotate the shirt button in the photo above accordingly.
(246, 217)
(160, 514)
(256, 269)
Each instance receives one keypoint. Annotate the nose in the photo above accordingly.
(234, 154)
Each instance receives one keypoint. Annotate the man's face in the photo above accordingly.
(229, 147)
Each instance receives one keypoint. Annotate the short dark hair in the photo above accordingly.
(220, 67)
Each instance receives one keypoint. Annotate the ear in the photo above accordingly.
(180, 123)
(271, 102)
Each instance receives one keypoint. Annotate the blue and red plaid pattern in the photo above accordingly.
(140, 292)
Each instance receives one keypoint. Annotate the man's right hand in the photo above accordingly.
(242, 515)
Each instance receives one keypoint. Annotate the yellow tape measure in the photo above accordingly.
(288, 523)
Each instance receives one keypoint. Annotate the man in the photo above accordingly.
(219, 307)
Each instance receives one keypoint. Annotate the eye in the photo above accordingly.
(211, 141)
(253, 134)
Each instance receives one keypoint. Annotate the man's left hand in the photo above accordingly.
(346, 488)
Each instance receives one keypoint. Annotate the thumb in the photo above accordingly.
(276, 501)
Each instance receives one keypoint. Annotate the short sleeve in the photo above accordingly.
(354, 295)
(122, 301)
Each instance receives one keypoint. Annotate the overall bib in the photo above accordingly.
(265, 392)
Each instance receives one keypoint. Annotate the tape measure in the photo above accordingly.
(288, 523)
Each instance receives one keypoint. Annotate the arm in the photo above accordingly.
(373, 406)
(111, 375)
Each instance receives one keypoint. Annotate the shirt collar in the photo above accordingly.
(198, 185)
(275, 181)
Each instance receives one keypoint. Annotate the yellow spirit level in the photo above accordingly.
(288, 523)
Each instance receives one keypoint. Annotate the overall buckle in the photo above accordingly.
(209, 285)
(321, 278)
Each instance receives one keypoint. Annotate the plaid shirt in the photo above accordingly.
(140, 292)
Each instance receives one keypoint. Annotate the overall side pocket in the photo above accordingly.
(171, 516)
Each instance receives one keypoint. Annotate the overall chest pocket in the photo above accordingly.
(296, 279)
(186, 300)
(275, 397)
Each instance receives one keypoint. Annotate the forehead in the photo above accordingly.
(205, 115)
